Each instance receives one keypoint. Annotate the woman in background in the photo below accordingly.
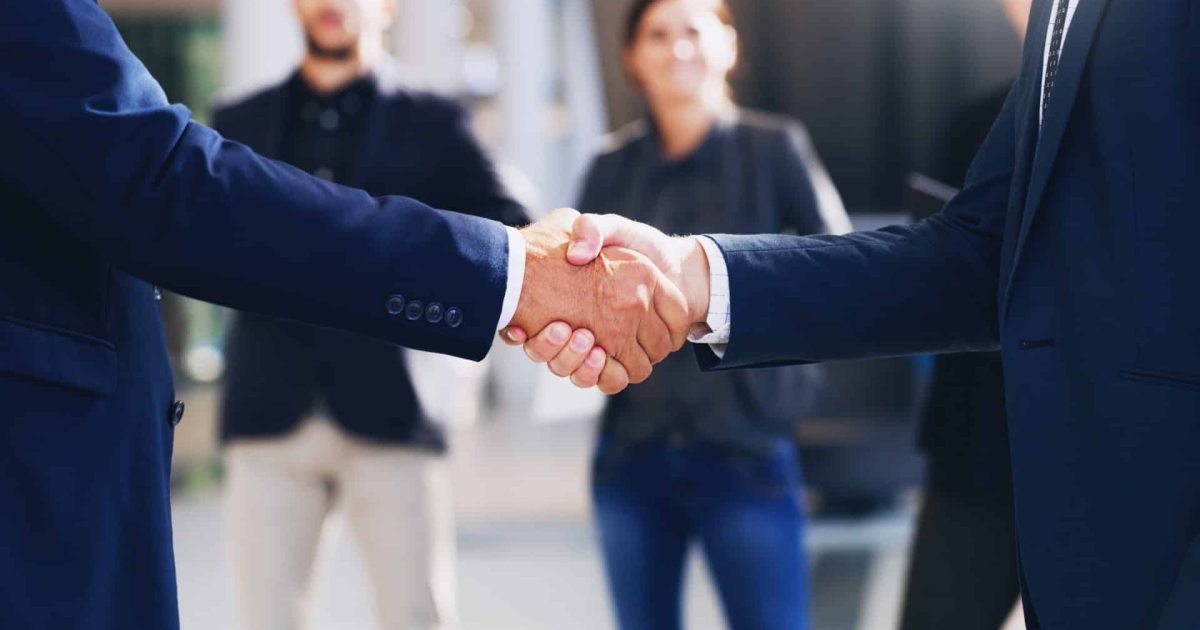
(688, 456)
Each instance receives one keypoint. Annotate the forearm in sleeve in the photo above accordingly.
(91, 139)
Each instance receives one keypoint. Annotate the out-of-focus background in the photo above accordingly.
(875, 81)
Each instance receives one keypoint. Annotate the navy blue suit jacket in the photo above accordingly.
(105, 188)
(1073, 251)
(417, 144)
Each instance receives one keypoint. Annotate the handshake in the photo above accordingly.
(605, 298)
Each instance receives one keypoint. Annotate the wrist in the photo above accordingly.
(528, 305)
(695, 278)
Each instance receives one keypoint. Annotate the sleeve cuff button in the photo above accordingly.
(395, 305)
(434, 313)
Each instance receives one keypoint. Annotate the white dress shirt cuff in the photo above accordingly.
(516, 278)
(717, 325)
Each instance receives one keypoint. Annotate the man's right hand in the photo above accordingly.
(633, 311)
(682, 260)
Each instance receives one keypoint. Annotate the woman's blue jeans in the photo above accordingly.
(653, 501)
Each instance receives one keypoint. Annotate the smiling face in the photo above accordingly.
(681, 50)
(334, 28)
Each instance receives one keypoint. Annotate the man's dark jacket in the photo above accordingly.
(1073, 249)
(414, 144)
(106, 190)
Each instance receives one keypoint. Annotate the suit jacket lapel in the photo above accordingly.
(1071, 67)
(1027, 105)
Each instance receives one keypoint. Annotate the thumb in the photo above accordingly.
(592, 233)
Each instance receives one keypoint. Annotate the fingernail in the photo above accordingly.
(596, 359)
(558, 334)
(581, 342)
(510, 335)
(577, 249)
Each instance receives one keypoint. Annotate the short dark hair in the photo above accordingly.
(637, 12)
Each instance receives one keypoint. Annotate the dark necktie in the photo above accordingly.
(1056, 42)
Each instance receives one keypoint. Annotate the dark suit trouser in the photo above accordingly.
(964, 572)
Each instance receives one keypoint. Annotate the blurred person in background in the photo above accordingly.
(693, 457)
(318, 421)
(964, 572)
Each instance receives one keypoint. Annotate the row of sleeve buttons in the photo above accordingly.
(434, 313)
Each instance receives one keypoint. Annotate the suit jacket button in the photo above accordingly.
(395, 305)
(176, 413)
(414, 310)
(454, 317)
(433, 313)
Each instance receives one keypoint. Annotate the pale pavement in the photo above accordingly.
(527, 556)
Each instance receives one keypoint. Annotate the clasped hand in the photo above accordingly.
(606, 297)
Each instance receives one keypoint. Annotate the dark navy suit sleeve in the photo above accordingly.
(926, 287)
(89, 136)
